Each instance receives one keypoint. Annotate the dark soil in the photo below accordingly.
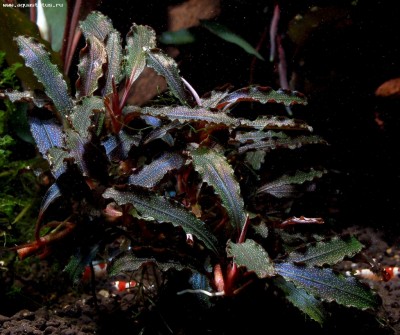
(44, 309)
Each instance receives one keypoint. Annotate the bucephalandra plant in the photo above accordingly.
(185, 185)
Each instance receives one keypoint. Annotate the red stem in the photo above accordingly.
(242, 236)
(72, 39)
(273, 32)
(32, 10)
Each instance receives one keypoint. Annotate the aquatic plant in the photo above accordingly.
(19, 188)
(183, 182)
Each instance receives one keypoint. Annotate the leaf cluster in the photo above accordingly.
(185, 185)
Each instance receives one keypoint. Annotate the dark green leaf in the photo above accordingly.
(263, 95)
(183, 36)
(289, 143)
(26, 96)
(227, 35)
(302, 300)
(138, 40)
(163, 210)
(90, 68)
(211, 99)
(251, 255)
(254, 136)
(151, 174)
(37, 58)
(217, 172)
(114, 60)
(185, 114)
(277, 187)
(130, 263)
(255, 158)
(96, 24)
(56, 157)
(76, 146)
(81, 114)
(167, 67)
(47, 134)
(330, 252)
(329, 286)
(275, 122)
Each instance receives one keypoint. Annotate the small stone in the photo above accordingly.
(104, 293)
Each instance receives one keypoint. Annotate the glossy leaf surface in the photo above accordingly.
(327, 285)
(153, 207)
(307, 303)
(262, 94)
(217, 172)
(47, 134)
(37, 58)
(330, 252)
(90, 68)
(139, 39)
(167, 67)
(151, 174)
(251, 255)
(277, 187)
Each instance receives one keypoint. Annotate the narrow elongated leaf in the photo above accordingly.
(90, 68)
(37, 58)
(330, 252)
(26, 96)
(227, 35)
(52, 194)
(151, 174)
(216, 171)
(262, 94)
(167, 67)
(327, 285)
(275, 187)
(182, 36)
(251, 255)
(163, 210)
(96, 24)
(254, 136)
(307, 303)
(114, 59)
(275, 122)
(131, 263)
(289, 143)
(185, 114)
(81, 114)
(139, 39)
(47, 134)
